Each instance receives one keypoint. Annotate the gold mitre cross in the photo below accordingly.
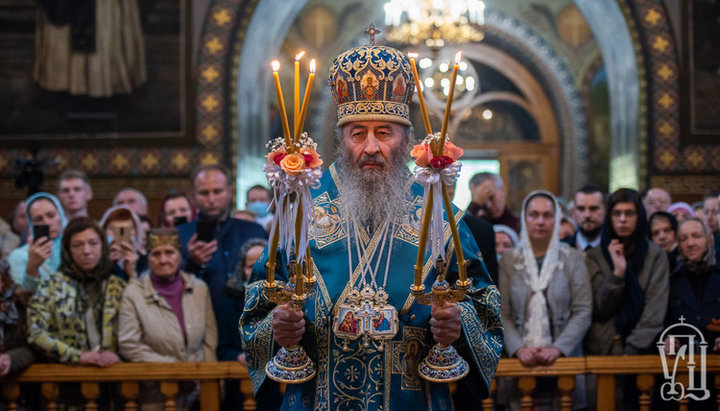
(372, 32)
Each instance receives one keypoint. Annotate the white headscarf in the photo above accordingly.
(537, 322)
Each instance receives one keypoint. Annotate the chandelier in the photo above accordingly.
(434, 22)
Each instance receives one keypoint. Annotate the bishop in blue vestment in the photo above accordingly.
(365, 235)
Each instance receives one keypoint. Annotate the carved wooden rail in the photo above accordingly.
(128, 375)
(645, 368)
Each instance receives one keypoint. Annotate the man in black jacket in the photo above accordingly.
(484, 237)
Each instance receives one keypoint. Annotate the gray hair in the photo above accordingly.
(143, 199)
(480, 178)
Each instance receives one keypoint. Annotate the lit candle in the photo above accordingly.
(427, 212)
(455, 234)
(281, 103)
(272, 253)
(306, 98)
(296, 94)
(421, 98)
(299, 275)
(448, 106)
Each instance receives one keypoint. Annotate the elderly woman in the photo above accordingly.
(73, 315)
(546, 305)
(166, 316)
(15, 355)
(695, 286)
(663, 229)
(505, 239)
(40, 257)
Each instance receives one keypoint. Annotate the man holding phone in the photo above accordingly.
(211, 245)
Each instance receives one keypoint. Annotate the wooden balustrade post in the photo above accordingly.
(717, 389)
(644, 384)
(11, 393)
(683, 379)
(606, 392)
(169, 390)
(246, 389)
(210, 395)
(91, 392)
(487, 403)
(51, 393)
(130, 391)
(526, 386)
(566, 384)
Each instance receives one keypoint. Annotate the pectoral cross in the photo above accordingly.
(372, 32)
(367, 313)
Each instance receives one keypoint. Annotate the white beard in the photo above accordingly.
(371, 196)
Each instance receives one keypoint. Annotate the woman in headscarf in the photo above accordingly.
(15, 355)
(40, 257)
(166, 316)
(695, 286)
(630, 281)
(127, 260)
(505, 239)
(663, 228)
(73, 315)
(546, 304)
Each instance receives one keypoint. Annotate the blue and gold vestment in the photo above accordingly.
(365, 378)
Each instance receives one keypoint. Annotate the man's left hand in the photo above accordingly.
(445, 323)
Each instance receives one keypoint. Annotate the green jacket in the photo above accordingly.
(57, 328)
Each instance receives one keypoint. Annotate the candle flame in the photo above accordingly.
(299, 55)
(413, 55)
(458, 57)
(275, 65)
(312, 65)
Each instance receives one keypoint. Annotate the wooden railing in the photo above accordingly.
(128, 375)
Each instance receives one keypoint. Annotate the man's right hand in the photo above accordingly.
(200, 251)
(38, 252)
(288, 326)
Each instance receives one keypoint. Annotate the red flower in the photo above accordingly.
(278, 158)
(308, 159)
(441, 162)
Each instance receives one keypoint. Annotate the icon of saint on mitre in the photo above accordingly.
(398, 89)
(369, 86)
(342, 91)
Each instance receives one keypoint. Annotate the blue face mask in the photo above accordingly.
(259, 208)
(499, 256)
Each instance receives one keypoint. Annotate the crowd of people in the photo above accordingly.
(601, 274)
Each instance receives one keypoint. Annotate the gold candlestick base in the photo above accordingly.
(443, 363)
(291, 365)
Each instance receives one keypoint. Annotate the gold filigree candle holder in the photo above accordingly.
(443, 363)
(291, 365)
